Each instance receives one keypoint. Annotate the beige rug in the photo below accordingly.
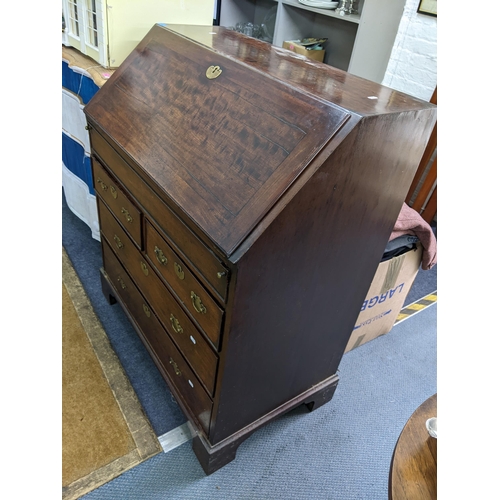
(104, 430)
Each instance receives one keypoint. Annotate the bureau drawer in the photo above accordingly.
(182, 238)
(186, 336)
(116, 199)
(199, 303)
(167, 355)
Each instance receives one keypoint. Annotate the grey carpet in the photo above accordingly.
(342, 451)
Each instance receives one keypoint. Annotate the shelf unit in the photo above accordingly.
(360, 44)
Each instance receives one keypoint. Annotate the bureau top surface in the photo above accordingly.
(222, 149)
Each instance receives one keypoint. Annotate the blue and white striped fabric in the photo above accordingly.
(78, 83)
(77, 90)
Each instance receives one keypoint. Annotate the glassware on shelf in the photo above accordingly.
(346, 7)
(248, 29)
(262, 31)
(257, 31)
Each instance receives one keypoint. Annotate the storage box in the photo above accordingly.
(294, 46)
(386, 297)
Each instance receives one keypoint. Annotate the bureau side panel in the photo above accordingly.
(301, 284)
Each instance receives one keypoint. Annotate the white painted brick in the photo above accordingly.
(423, 47)
(412, 67)
(413, 88)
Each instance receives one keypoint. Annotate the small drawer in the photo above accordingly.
(114, 233)
(183, 282)
(163, 349)
(203, 260)
(118, 202)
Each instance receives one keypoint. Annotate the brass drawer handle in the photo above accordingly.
(221, 274)
(160, 256)
(147, 310)
(114, 193)
(144, 268)
(101, 183)
(127, 215)
(178, 271)
(197, 304)
(118, 242)
(175, 324)
(176, 368)
(122, 284)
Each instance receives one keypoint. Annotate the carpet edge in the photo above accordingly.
(145, 439)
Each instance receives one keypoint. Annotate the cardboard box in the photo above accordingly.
(386, 297)
(294, 46)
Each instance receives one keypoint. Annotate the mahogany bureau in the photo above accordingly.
(245, 197)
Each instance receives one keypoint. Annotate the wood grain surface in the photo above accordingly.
(248, 135)
(413, 474)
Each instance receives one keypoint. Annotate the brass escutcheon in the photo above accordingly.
(176, 368)
(213, 72)
(113, 192)
(122, 284)
(144, 268)
(147, 310)
(197, 304)
(118, 242)
(178, 271)
(127, 215)
(175, 324)
(160, 256)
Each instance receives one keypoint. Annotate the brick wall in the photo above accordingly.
(412, 67)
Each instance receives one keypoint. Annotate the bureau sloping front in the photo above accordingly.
(249, 135)
(245, 196)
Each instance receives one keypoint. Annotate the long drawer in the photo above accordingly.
(202, 259)
(176, 273)
(157, 340)
(183, 332)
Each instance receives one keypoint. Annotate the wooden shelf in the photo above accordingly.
(360, 44)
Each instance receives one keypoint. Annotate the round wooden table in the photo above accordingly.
(413, 472)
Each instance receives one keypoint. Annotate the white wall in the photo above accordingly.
(412, 67)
